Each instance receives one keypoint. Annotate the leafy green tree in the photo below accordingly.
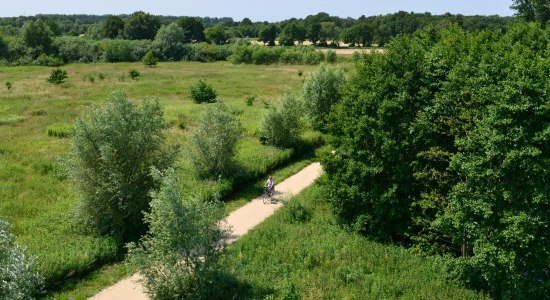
(149, 59)
(4, 52)
(292, 32)
(114, 149)
(141, 26)
(533, 10)
(112, 27)
(202, 92)
(37, 35)
(314, 32)
(281, 126)
(245, 22)
(169, 42)
(329, 32)
(213, 142)
(194, 29)
(18, 279)
(267, 34)
(320, 92)
(216, 34)
(177, 258)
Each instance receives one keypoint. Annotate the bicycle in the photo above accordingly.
(267, 196)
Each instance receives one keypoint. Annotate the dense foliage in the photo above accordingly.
(18, 277)
(114, 150)
(184, 239)
(443, 144)
(213, 142)
(281, 125)
(320, 92)
(203, 92)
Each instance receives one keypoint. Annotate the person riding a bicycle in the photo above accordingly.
(269, 186)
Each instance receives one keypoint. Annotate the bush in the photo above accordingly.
(49, 61)
(266, 55)
(281, 126)
(89, 77)
(169, 42)
(149, 59)
(296, 212)
(203, 92)
(331, 57)
(114, 150)
(60, 130)
(250, 100)
(320, 92)
(57, 76)
(213, 142)
(78, 49)
(101, 76)
(18, 279)
(205, 52)
(134, 74)
(118, 51)
(8, 85)
(177, 258)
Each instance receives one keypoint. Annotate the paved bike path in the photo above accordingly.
(240, 221)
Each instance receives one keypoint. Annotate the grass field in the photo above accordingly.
(35, 127)
(300, 254)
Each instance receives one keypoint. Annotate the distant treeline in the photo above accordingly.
(85, 38)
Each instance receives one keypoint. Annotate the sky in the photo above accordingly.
(257, 10)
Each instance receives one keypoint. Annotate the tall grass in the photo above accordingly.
(300, 253)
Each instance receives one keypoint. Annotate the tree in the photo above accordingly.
(267, 34)
(177, 258)
(202, 92)
(533, 10)
(213, 142)
(169, 42)
(37, 35)
(112, 27)
(281, 126)
(320, 92)
(113, 152)
(314, 32)
(216, 34)
(149, 59)
(245, 22)
(141, 26)
(292, 32)
(193, 27)
(329, 32)
(18, 279)
(4, 52)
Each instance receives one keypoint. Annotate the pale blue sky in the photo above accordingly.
(274, 10)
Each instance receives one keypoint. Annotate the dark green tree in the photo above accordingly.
(193, 27)
(112, 27)
(216, 34)
(267, 34)
(533, 10)
(37, 35)
(141, 26)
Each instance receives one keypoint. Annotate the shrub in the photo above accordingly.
(117, 51)
(78, 49)
(89, 77)
(281, 126)
(101, 76)
(60, 130)
(177, 258)
(149, 59)
(213, 142)
(47, 60)
(320, 92)
(266, 55)
(241, 54)
(18, 279)
(169, 42)
(134, 74)
(57, 76)
(203, 92)
(296, 212)
(250, 100)
(182, 121)
(205, 52)
(8, 85)
(113, 152)
(39, 112)
(331, 57)
(313, 57)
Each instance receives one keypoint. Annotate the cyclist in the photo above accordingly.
(269, 186)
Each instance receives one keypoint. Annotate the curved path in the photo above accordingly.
(240, 221)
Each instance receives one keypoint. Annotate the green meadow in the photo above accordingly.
(36, 120)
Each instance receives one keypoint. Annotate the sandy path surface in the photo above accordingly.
(240, 220)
